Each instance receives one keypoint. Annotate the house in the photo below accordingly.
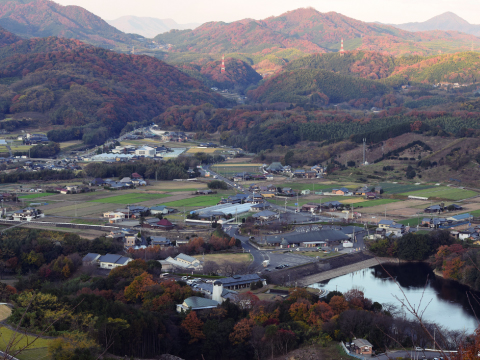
(97, 182)
(164, 224)
(269, 177)
(305, 192)
(137, 176)
(341, 191)
(114, 215)
(370, 195)
(241, 281)
(160, 241)
(27, 214)
(385, 224)
(130, 240)
(288, 192)
(310, 208)
(275, 167)
(378, 190)
(331, 205)
(196, 303)
(299, 173)
(184, 262)
(433, 209)
(362, 347)
(460, 218)
(160, 209)
(310, 174)
(111, 261)
(265, 215)
(146, 151)
(90, 259)
(204, 192)
(260, 207)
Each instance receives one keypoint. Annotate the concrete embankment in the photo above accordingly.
(343, 270)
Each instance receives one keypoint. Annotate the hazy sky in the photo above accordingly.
(184, 11)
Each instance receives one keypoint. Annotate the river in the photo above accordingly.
(447, 300)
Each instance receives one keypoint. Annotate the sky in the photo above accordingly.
(200, 11)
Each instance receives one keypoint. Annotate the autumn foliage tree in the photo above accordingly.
(138, 287)
(193, 326)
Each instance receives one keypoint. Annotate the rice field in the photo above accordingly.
(131, 198)
(443, 192)
(370, 203)
(229, 170)
(391, 188)
(35, 195)
(198, 201)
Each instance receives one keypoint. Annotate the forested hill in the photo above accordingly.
(462, 68)
(42, 18)
(316, 86)
(7, 38)
(39, 45)
(87, 87)
(238, 73)
(310, 31)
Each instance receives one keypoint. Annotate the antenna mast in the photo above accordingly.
(364, 150)
(342, 51)
(223, 63)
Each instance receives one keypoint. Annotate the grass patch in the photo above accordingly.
(443, 192)
(391, 188)
(86, 222)
(413, 221)
(223, 258)
(198, 201)
(370, 203)
(35, 195)
(229, 170)
(38, 350)
(5, 312)
(132, 198)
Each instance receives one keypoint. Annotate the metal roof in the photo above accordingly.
(195, 302)
(240, 280)
(185, 257)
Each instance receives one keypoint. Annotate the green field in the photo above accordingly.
(130, 198)
(370, 203)
(198, 201)
(443, 192)
(231, 170)
(38, 350)
(413, 221)
(391, 188)
(35, 195)
(316, 187)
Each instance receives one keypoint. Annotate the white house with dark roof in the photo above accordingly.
(184, 262)
(196, 303)
(111, 261)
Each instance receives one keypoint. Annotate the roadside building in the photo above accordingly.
(362, 347)
(196, 303)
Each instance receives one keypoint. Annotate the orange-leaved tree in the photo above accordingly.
(138, 287)
(193, 326)
(242, 331)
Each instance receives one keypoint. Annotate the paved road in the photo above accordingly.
(6, 356)
(411, 355)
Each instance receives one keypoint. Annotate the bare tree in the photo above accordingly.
(211, 268)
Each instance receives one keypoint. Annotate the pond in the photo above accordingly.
(445, 302)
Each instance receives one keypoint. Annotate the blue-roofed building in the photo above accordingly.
(386, 224)
(460, 217)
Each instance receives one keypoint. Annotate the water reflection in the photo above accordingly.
(447, 301)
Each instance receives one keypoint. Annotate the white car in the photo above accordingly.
(184, 278)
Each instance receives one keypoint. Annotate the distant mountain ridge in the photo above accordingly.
(311, 31)
(448, 21)
(148, 27)
(43, 18)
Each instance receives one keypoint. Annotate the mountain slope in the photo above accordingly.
(447, 21)
(300, 86)
(310, 31)
(85, 86)
(42, 18)
(238, 74)
(147, 26)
